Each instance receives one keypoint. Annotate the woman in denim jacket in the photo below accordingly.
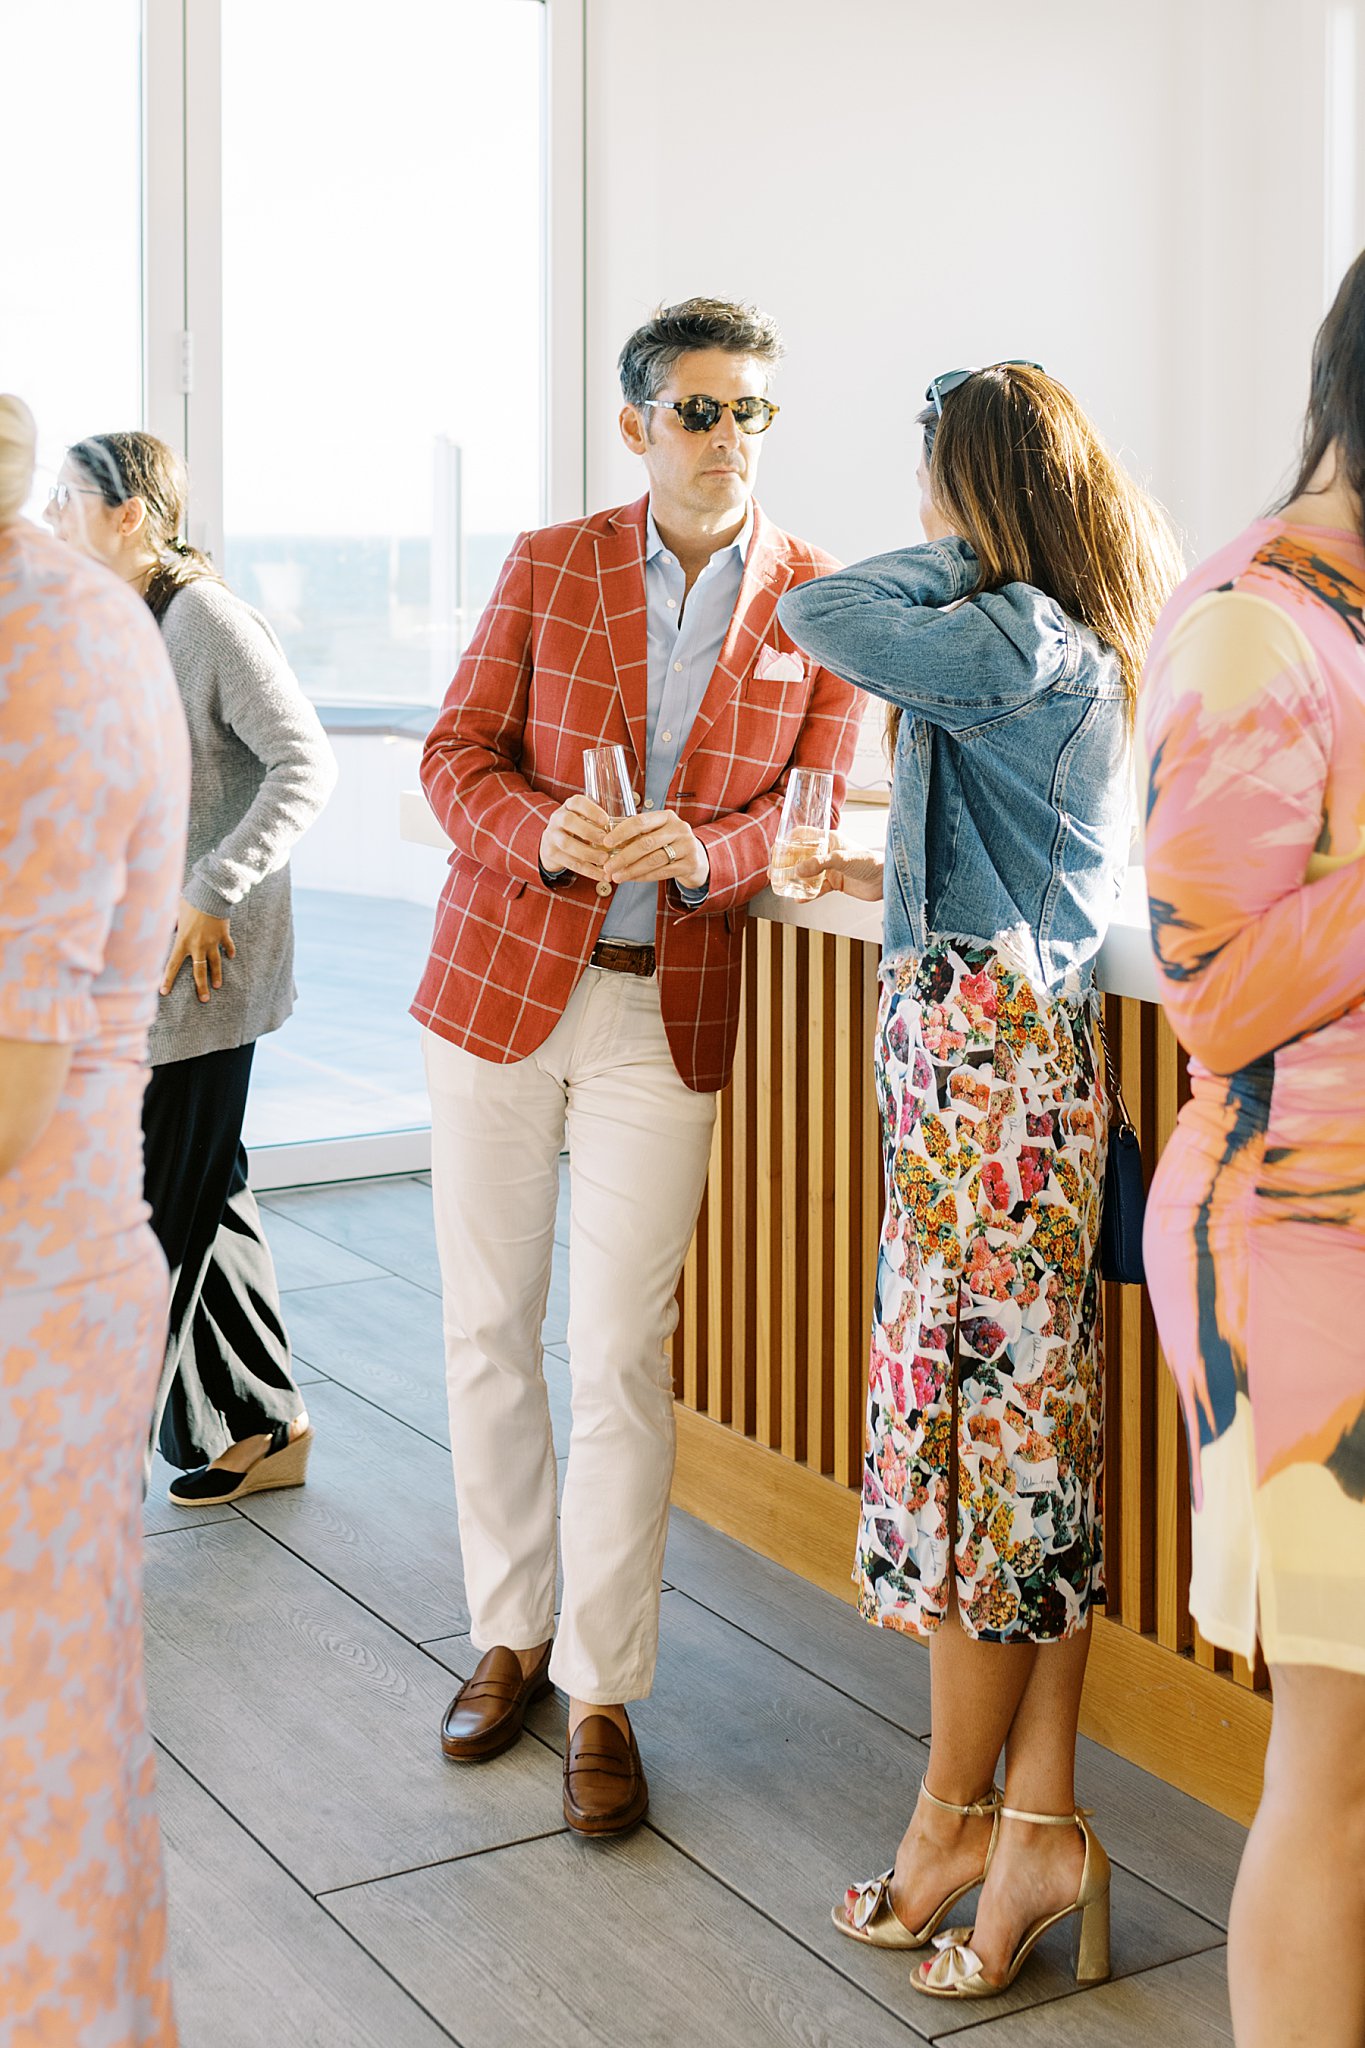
(1008, 648)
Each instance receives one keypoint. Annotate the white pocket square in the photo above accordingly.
(775, 666)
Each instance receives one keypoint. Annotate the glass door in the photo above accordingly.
(383, 367)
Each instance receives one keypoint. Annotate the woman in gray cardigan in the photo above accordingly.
(228, 1411)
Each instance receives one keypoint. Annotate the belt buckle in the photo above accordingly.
(618, 956)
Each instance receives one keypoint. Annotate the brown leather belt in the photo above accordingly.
(619, 956)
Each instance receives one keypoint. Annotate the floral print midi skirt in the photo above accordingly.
(985, 1364)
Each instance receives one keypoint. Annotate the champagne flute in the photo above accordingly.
(803, 833)
(606, 779)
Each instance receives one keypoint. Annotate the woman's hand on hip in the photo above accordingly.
(852, 870)
(202, 940)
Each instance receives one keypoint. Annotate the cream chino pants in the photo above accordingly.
(639, 1143)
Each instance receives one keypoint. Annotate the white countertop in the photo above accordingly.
(1126, 966)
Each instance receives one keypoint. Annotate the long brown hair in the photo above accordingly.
(137, 465)
(1336, 398)
(1019, 470)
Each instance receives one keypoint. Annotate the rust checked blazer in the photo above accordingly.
(558, 663)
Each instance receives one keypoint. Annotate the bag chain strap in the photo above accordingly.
(1112, 1082)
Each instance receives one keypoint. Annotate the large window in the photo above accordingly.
(309, 248)
(382, 409)
(382, 326)
(70, 167)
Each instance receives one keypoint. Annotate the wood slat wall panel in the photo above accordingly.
(790, 1435)
(848, 1058)
(767, 1168)
(776, 1298)
(874, 1195)
(821, 1112)
(719, 1227)
(1131, 1385)
(744, 1284)
(1172, 1536)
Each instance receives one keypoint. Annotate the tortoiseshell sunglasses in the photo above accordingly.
(699, 413)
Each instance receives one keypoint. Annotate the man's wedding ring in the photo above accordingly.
(669, 851)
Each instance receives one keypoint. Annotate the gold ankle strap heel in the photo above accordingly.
(955, 1971)
(984, 1808)
(865, 1913)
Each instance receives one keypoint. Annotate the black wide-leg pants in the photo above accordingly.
(226, 1372)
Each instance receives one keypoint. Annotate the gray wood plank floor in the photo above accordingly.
(334, 1881)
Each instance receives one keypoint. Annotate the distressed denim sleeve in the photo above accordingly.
(904, 627)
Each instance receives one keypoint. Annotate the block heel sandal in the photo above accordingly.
(955, 1971)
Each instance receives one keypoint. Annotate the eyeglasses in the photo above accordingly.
(949, 381)
(699, 414)
(61, 494)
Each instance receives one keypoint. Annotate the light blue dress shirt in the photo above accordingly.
(684, 647)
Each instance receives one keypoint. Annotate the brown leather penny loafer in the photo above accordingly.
(604, 1781)
(487, 1713)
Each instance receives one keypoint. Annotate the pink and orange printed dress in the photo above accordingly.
(1253, 724)
(94, 777)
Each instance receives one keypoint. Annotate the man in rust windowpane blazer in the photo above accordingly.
(584, 986)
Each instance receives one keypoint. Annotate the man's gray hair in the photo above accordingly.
(674, 331)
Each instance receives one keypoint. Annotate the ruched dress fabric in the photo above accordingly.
(1254, 733)
(94, 780)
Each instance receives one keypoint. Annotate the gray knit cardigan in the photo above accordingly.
(260, 771)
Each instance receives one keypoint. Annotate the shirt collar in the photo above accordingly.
(654, 545)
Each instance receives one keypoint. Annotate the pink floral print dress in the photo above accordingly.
(94, 778)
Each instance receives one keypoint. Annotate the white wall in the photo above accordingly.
(1134, 195)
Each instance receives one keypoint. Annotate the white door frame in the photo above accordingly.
(163, 219)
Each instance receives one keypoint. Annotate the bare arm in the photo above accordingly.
(32, 1078)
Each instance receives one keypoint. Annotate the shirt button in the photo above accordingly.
(677, 668)
(665, 737)
(649, 803)
(672, 604)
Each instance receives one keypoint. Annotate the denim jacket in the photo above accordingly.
(1010, 797)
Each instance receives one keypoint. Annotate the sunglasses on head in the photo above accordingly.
(699, 413)
(949, 381)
